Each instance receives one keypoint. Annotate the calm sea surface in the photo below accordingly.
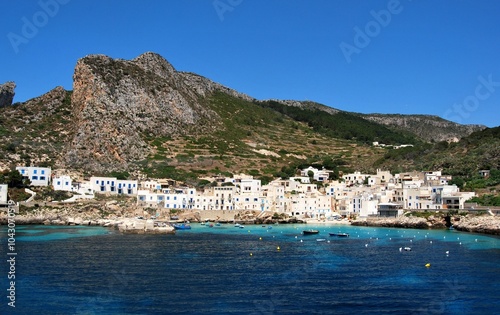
(255, 270)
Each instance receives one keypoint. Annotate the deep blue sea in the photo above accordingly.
(255, 270)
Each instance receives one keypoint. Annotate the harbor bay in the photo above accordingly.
(257, 269)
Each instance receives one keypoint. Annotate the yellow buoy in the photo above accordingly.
(251, 254)
(260, 238)
(278, 248)
(427, 265)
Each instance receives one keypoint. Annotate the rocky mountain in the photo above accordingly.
(144, 116)
(7, 93)
(427, 127)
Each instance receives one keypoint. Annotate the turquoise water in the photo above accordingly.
(255, 270)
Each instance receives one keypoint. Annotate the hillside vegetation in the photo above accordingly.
(143, 117)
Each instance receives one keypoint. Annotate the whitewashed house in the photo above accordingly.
(39, 176)
(63, 183)
(114, 186)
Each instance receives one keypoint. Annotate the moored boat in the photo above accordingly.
(339, 234)
(310, 232)
(182, 226)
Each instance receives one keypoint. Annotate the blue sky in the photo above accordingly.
(390, 56)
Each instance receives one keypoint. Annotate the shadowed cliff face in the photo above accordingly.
(7, 93)
(118, 104)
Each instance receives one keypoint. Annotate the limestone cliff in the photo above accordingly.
(118, 104)
(7, 93)
(427, 127)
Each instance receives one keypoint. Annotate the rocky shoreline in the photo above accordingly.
(127, 218)
(484, 224)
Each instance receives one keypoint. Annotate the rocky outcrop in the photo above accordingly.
(477, 224)
(119, 104)
(404, 222)
(7, 93)
(470, 223)
(427, 127)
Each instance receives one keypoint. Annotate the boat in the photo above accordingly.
(182, 226)
(339, 234)
(310, 232)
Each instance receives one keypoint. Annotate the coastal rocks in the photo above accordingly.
(478, 224)
(7, 93)
(139, 226)
(400, 222)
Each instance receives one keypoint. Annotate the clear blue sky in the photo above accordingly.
(411, 57)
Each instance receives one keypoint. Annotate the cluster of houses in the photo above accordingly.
(310, 195)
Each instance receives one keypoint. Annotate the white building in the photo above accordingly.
(318, 175)
(63, 182)
(3, 193)
(113, 185)
(39, 176)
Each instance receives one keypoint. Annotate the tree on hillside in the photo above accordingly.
(14, 179)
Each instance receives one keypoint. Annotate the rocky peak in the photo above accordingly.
(7, 93)
(155, 63)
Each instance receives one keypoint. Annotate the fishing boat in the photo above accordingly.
(339, 234)
(310, 232)
(182, 226)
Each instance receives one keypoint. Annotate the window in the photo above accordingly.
(66, 183)
(42, 177)
(34, 177)
(43, 172)
(59, 183)
(22, 171)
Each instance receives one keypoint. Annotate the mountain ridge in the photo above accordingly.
(143, 114)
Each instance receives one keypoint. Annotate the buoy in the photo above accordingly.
(476, 239)
(447, 252)
(401, 249)
(248, 231)
(278, 248)
(260, 238)
(427, 265)
(431, 242)
(251, 254)
(366, 245)
(301, 241)
(295, 236)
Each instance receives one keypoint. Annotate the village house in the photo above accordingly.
(113, 186)
(39, 176)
